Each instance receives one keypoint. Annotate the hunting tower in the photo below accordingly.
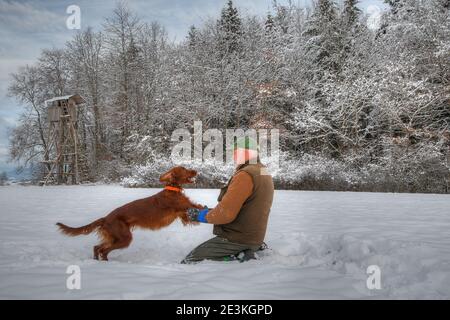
(62, 158)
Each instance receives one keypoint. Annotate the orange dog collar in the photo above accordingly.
(177, 189)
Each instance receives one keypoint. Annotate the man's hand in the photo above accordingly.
(198, 215)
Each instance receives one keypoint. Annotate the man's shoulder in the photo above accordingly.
(254, 170)
(242, 175)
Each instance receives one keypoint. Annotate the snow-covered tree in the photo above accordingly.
(85, 56)
(28, 140)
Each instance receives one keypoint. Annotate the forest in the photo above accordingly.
(358, 106)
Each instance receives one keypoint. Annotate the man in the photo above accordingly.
(241, 216)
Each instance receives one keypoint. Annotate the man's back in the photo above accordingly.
(250, 224)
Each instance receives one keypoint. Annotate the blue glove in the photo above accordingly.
(198, 215)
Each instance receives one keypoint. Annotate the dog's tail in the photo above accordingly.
(81, 230)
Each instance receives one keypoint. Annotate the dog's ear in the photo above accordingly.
(166, 177)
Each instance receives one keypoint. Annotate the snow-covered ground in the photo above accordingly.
(321, 245)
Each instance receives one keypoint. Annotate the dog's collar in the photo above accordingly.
(171, 188)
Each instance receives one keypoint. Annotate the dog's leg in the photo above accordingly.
(121, 238)
(96, 251)
(101, 252)
(184, 218)
(198, 206)
(120, 244)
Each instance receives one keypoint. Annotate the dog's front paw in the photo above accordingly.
(186, 221)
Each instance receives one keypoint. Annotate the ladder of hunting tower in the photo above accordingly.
(62, 156)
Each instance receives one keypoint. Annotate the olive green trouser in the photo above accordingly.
(218, 249)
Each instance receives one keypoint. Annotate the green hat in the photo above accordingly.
(245, 143)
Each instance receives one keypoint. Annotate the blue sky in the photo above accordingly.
(26, 27)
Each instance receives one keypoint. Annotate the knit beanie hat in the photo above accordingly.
(244, 149)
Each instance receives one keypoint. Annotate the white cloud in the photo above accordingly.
(24, 17)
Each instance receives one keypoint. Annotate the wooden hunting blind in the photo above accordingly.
(62, 157)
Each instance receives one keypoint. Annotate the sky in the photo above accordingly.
(27, 27)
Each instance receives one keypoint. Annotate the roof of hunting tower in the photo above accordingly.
(78, 99)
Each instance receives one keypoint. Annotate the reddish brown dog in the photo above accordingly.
(153, 213)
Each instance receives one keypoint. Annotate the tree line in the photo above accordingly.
(363, 107)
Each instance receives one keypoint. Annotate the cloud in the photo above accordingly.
(26, 24)
(25, 17)
(27, 27)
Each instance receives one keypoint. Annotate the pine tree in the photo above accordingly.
(323, 34)
(323, 18)
(350, 14)
(327, 10)
(192, 36)
(350, 27)
(230, 28)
